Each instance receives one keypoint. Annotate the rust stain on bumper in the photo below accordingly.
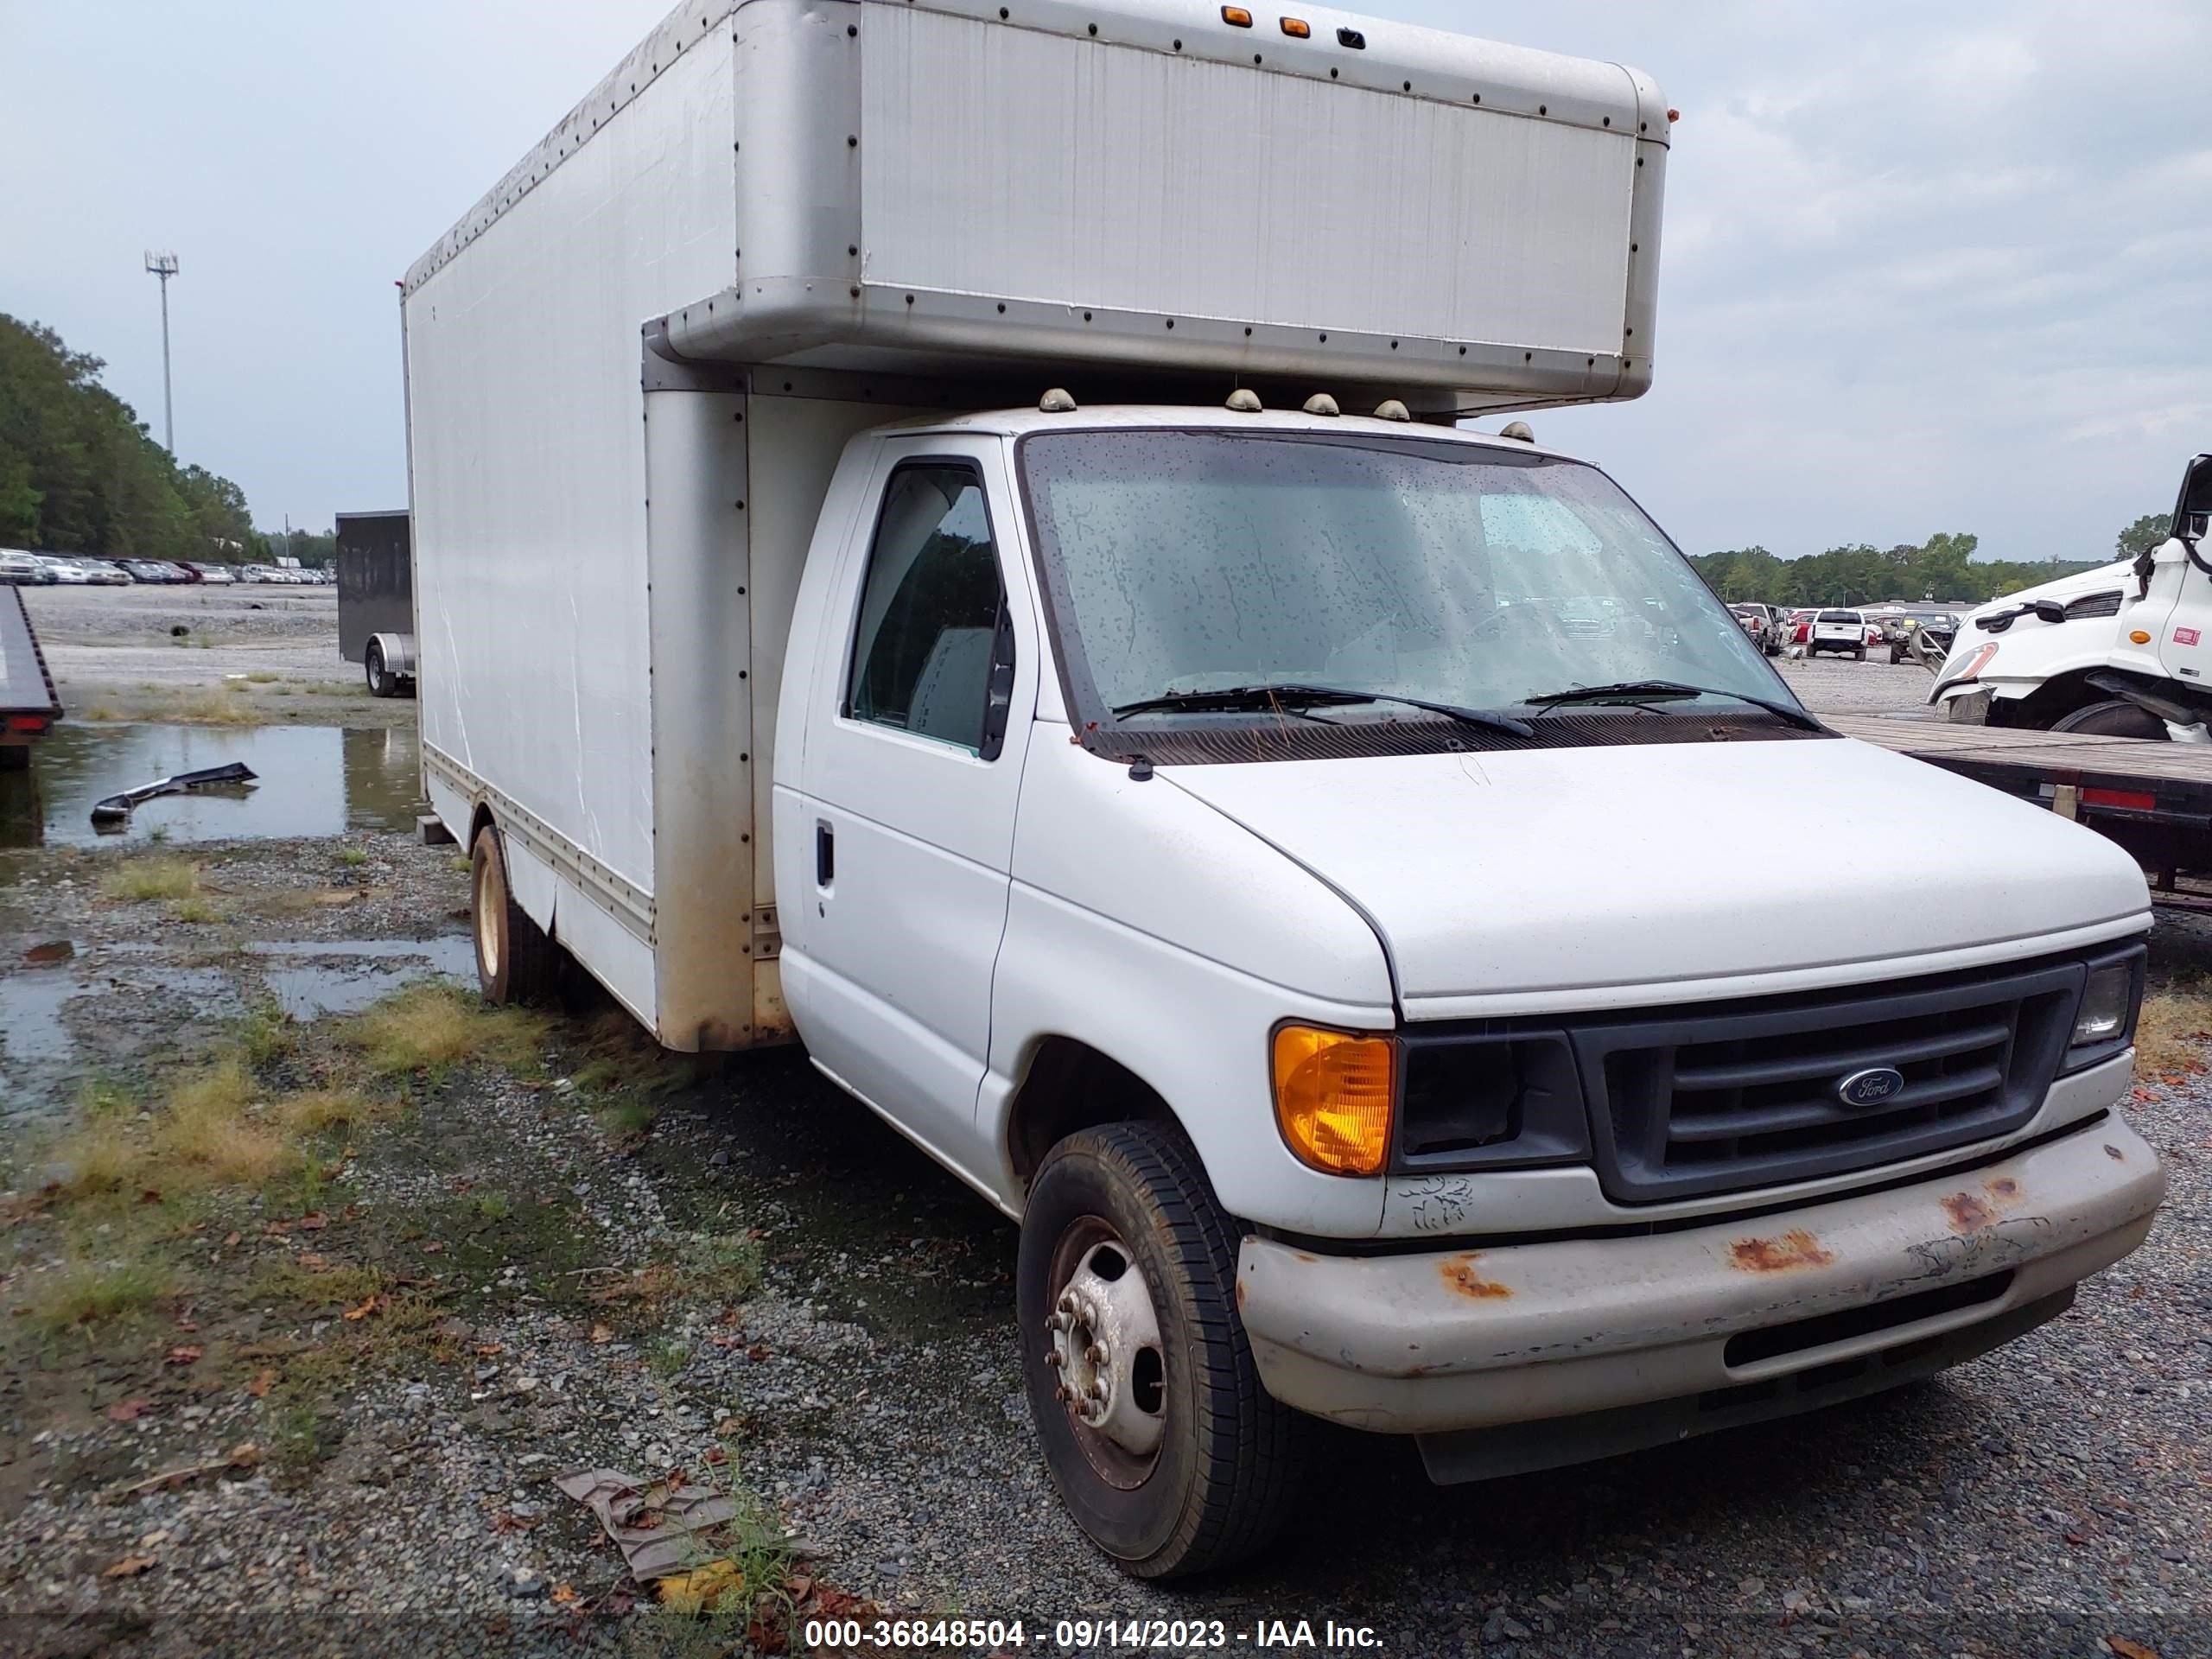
(1795, 1249)
(1460, 1275)
(1970, 1212)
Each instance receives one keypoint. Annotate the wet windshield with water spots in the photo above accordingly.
(1200, 560)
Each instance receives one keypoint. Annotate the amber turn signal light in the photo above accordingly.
(1236, 17)
(1333, 1091)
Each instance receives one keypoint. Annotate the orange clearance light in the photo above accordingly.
(1236, 17)
(1296, 29)
(2139, 637)
(1332, 1097)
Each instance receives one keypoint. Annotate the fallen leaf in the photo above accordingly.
(564, 1595)
(433, 1247)
(757, 1352)
(264, 1380)
(231, 1240)
(717, 1455)
(602, 1333)
(127, 1411)
(2076, 1538)
(2127, 1649)
(53, 950)
(245, 1455)
(367, 1307)
(149, 1195)
(185, 1322)
(703, 1587)
(488, 1349)
(183, 1354)
(315, 1263)
(315, 1221)
(129, 1568)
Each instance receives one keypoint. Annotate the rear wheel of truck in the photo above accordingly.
(1859, 655)
(515, 962)
(1156, 1432)
(2115, 718)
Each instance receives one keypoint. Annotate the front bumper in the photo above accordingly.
(1431, 1344)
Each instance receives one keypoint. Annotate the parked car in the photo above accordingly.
(151, 571)
(219, 574)
(1837, 631)
(103, 573)
(1762, 625)
(1796, 628)
(22, 568)
(1935, 628)
(67, 572)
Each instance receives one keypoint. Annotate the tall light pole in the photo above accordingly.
(164, 265)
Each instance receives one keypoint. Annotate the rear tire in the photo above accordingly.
(381, 682)
(1222, 1473)
(515, 962)
(1859, 655)
(2115, 718)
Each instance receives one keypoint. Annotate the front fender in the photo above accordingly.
(1145, 924)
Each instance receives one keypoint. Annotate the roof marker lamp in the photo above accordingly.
(1236, 17)
(1333, 1091)
(1297, 28)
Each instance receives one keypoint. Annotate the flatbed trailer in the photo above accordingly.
(2154, 798)
(28, 703)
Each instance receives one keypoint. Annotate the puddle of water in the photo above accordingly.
(347, 976)
(314, 780)
(31, 1032)
(43, 1061)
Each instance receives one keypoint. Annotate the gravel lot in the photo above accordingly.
(867, 1394)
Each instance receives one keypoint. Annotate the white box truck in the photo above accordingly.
(940, 530)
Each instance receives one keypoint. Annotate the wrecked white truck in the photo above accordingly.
(940, 532)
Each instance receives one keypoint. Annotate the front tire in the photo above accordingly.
(515, 962)
(2115, 718)
(1157, 1435)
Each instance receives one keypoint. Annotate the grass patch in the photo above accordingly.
(93, 1293)
(266, 1033)
(97, 1158)
(313, 1111)
(352, 858)
(723, 1267)
(667, 1356)
(491, 1207)
(143, 879)
(212, 709)
(196, 909)
(2172, 1031)
(210, 1130)
(101, 711)
(261, 676)
(433, 1027)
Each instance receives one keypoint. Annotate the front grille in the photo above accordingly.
(2093, 605)
(1721, 1100)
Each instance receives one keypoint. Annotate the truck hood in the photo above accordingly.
(1553, 879)
(2104, 576)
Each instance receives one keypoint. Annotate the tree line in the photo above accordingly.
(79, 473)
(1942, 569)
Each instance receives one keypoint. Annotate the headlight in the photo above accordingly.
(1973, 664)
(1334, 1092)
(2107, 1004)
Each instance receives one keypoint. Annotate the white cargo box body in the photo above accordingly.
(869, 207)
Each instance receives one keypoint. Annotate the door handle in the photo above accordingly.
(825, 854)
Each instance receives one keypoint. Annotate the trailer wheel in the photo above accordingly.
(382, 683)
(2115, 717)
(1162, 1442)
(515, 962)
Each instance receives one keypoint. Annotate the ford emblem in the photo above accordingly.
(1871, 1087)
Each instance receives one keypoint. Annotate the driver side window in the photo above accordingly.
(933, 654)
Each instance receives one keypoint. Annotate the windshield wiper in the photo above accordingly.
(1271, 696)
(1654, 690)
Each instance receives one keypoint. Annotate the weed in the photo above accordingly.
(158, 835)
(433, 1027)
(209, 1128)
(627, 1117)
(725, 1267)
(458, 864)
(98, 1158)
(195, 910)
(99, 1098)
(353, 857)
(261, 676)
(266, 1033)
(212, 709)
(493, 1206)
(2172, 1032)
(101, 711)
(667, 1356)
(142, 879)
(315, 1110)
(92, 1293)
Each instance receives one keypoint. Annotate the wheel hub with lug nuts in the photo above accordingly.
(1106, 1351)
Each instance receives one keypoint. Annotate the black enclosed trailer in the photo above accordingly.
(376, 598)
(28, 703)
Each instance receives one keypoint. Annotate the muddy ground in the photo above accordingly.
(313, 1277)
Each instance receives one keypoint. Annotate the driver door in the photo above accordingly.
(2183, 641)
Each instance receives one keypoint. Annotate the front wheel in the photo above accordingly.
(1162, 1442)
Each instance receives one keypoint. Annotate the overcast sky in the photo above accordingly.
(1926, 267)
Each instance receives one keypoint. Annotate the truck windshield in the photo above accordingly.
(1189, 561)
